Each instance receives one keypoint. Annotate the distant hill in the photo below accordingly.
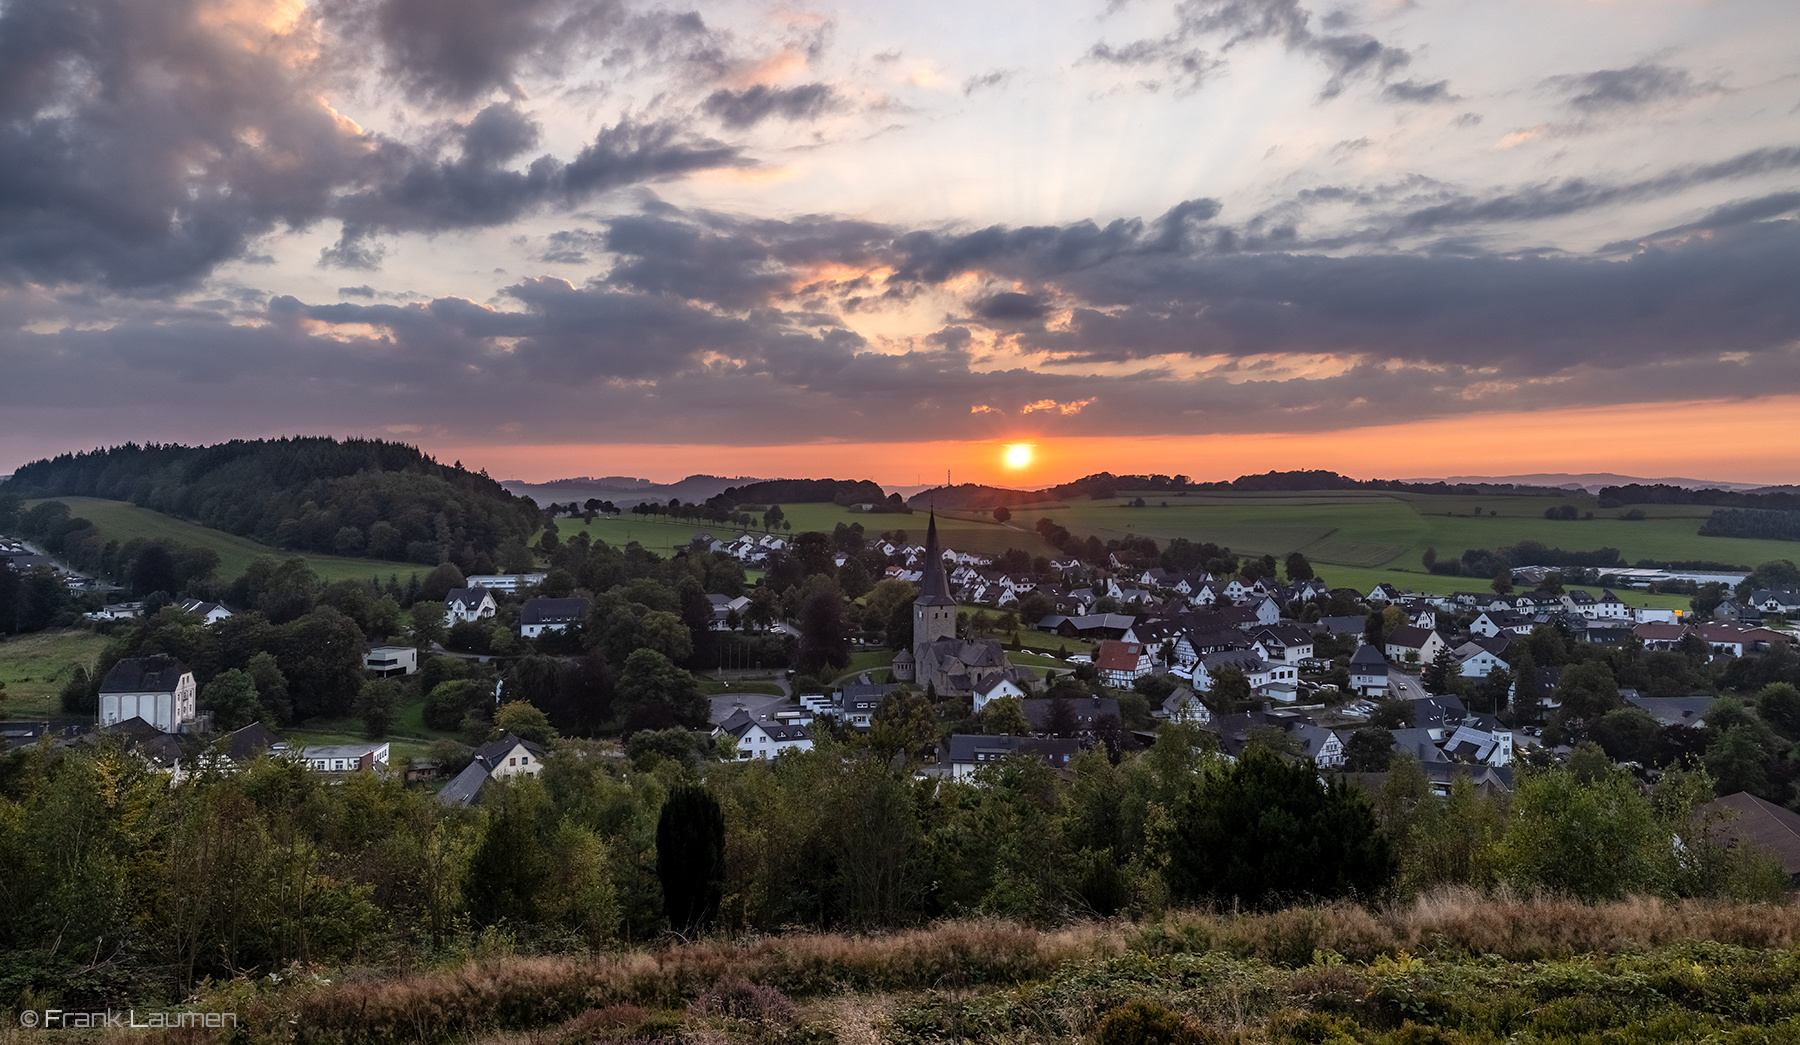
(625, 491)
(363, 498)
(1593, 481)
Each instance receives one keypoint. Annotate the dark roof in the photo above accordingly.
(1407, 635)
(1368, 656)
(1343, 625)
(1087, 711)
(158, 674)
(466, 786)
(250, 741)
(934, 587)
(1760, 823)
(974, 749)
(553, 611)
(466, 595)
(1672, 711)
(490, 753)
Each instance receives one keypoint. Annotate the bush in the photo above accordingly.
(743, 1000)
(1145, 1022)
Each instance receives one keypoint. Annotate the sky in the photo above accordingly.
(555, 238)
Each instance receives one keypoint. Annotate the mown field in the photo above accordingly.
(122, 521)
(35, 668)
(962, 531)
(1451, 968)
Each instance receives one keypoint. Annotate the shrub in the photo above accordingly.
(741, 999)
(1145, 1022)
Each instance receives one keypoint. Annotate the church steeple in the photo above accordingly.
(934, 611)
(934, 587)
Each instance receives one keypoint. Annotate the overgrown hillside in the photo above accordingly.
(356, 497)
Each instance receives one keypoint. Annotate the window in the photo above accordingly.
(512, 761)
(524, 760)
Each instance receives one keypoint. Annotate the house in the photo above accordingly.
(1316, 742)
(469, 604)
(758, 736)
(1768, 600)
(345, 758)
(117, 611)
(966, 755)
(1480, 657)
(1660, 635)
(996, 687)
(723, 606)
(1087, 713)
(859, 700)
(1122, 663)
(539, 615)
(1286, 642)
(510, 583)
(1736, 640)
(1473, 744)
(1248, 661)
(1342, 625)
(502, 758)
(391, 660)
(1384, 593)
(1183, 706)
(1744, 819)
(1673, 711)
(159, 689)
(1494, 623)
(1413, 646)
(1369, 672)
(1419, 743)
(208, 612)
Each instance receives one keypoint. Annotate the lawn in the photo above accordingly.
(410, 737)
(122, 521)
(36, 667)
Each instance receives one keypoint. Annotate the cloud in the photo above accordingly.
(121, 174)
(1635, 86)
(986, 81)
(1415, 92)
(748, 107)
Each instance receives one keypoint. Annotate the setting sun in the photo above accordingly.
(1018, 455)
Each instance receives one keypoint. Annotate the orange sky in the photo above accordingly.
(1729, 441)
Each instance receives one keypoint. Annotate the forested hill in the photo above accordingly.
(360, 497)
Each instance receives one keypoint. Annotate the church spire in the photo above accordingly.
(934, 587)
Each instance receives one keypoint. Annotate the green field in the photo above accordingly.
(409, 738)
(122, 521)
(963, 531)
(1360, 538)
(36, 667)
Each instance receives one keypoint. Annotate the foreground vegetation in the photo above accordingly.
(1450, 967)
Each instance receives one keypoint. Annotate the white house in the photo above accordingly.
(392, 660)
(1416, 646)
(499, 759)
(1184, 707)
(117, 611)
(759, 737)
(159, 690)
(1286, 643)
(511, 583)
(1122, 663)
(1369, 672)
(208, 612)
(1488, 747)
(345, 758)
(1478, 661)
(994, 688)
(539, 615)
(470, 604)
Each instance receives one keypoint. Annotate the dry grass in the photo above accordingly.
(844, 981)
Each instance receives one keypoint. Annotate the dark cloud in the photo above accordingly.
(748, 107)
(1420, 93)
(1010, 307)
(364, 291)
(121, 174)
(1345, 55)
(1638, 85)
(458, 50)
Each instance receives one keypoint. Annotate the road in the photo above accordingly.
(1404, 686)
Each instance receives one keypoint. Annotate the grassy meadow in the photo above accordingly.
(1450, 968)
(122, 521)
(35, 668)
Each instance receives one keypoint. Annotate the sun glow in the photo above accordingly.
(1018, 455)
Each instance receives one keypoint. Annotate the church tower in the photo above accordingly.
(934, 611)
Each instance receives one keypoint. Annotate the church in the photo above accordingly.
(938, 659)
